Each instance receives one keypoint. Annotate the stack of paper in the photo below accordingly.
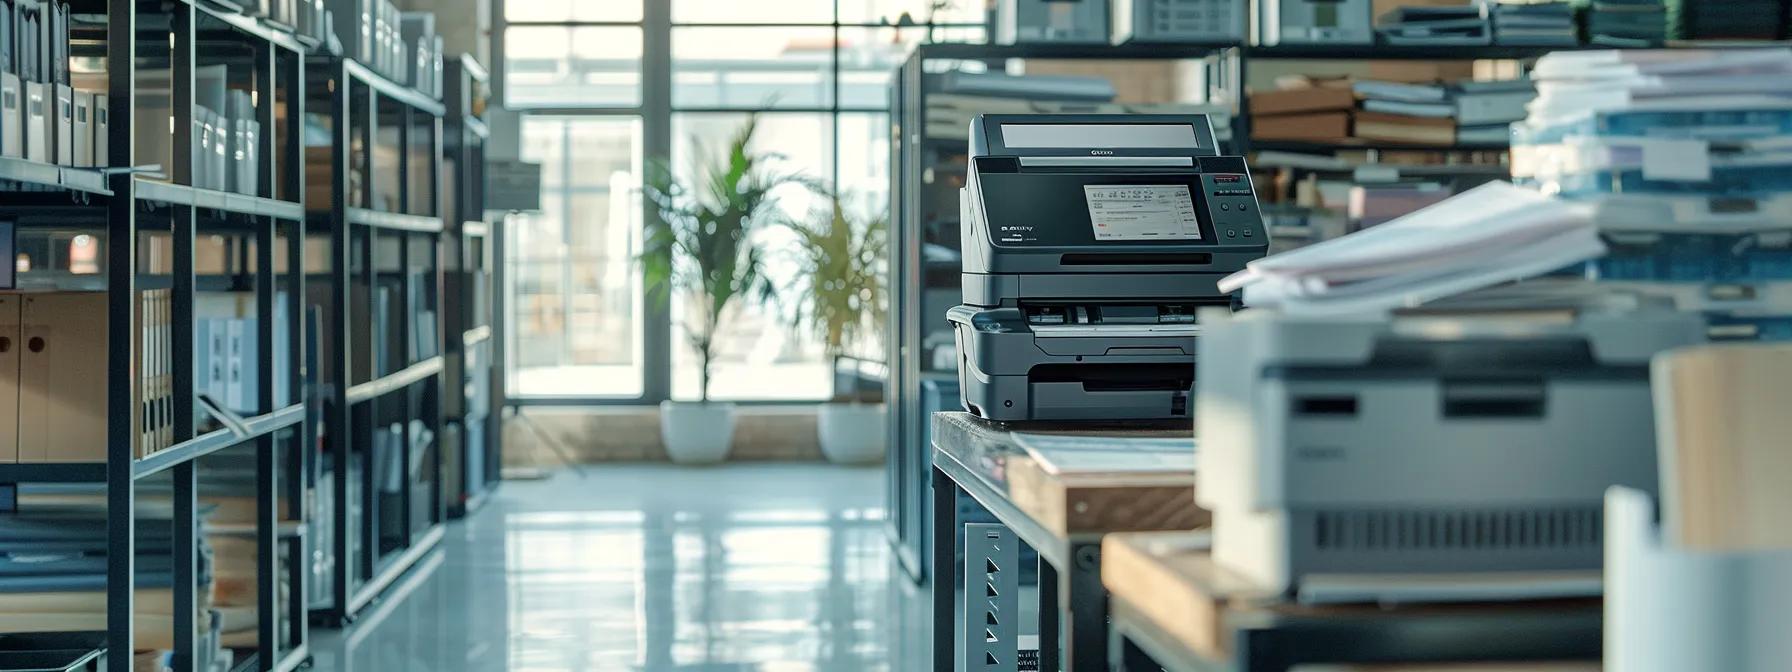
(1069, 454)
(1686, 158)
(1488, 235)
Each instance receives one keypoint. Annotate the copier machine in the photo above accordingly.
(1089, 241)
(1431, 455)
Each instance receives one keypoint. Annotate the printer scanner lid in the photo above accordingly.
(1093, 137)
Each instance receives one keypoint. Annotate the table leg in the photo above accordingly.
(1087, 631)
(1049, 607)
(1125, 656)
(943, 572)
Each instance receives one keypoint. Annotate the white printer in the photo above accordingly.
(1351, 458)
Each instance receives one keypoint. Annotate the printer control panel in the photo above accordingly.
(1232, 206)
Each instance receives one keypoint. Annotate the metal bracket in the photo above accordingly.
(991, 599)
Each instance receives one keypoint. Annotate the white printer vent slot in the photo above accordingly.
(1492, 529)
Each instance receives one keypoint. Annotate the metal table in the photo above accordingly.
(979, 459)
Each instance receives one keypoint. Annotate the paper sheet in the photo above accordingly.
(1066, 454)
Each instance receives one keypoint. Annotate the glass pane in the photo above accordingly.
(868, 59)
(759, 355)
(891, 11)
(573, 10)
(595, 66)
(575, 293)
(737, 11)
(752, 67)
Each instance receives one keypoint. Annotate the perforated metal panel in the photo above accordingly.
(991, 600)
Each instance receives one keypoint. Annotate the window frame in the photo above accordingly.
(656, 111)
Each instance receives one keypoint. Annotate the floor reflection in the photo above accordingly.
(752, 568)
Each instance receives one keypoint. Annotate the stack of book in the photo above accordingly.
(1424, 25)
(1724, 19)
(1687, 157)
(1485, 110)
(1361, 112)
(1528, 23)
(1627, 23)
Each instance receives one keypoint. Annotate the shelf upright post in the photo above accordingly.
(337, 421)
(186, 574)
(121, 268)
(291, 173)
(406, 290)
(267, 473)
(437, 279)
(369, 247)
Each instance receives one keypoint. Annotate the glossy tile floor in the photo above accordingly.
(760, 568)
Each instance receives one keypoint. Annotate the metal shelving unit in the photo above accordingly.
(383, 374)
(120, 209)
(472, 404)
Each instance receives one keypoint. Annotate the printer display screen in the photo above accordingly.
(1133, 212)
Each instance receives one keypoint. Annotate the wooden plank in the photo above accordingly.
(1107, 503)
(1722, 428)
(1147, 572)
(1171, 579)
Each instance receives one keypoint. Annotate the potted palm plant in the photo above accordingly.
(837, 294)
(701, 246)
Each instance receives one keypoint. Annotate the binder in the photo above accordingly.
(10, 345)
(165, 369)
(102, 145)
(202, 366)
(37, 142)
(249, 394)
(63, 94)
(12, 142)
(202, 149)
(217, 367)
(83, 129)
(234, 365)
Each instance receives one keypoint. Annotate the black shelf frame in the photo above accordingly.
(472, 357)
(369, 246)
(117, 205)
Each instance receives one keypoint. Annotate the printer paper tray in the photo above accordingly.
(1114, 330)
(1460, 587)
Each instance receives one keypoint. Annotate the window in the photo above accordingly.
(819, 69)
(761, 356)
(575, 293)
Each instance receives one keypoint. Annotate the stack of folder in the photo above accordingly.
(1485, 111)
(1626, 23)
(1526, 23)
(1428, 25)
(1724, 19)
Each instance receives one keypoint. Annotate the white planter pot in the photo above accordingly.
(696, 433)
(851, 433)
